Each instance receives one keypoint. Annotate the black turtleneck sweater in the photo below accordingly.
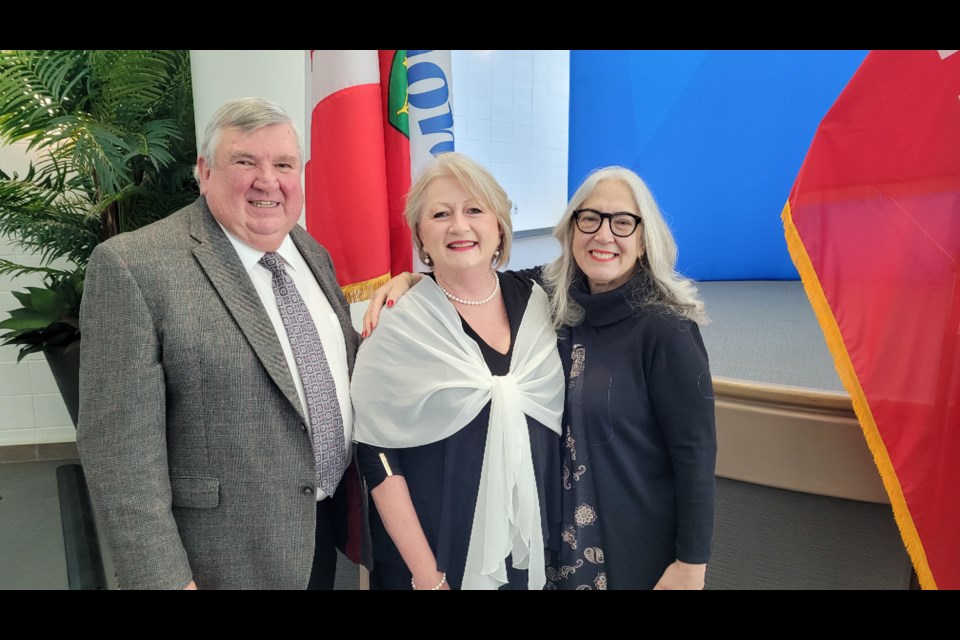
(639, 443)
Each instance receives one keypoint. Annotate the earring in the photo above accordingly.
(496, 256)
(426, 259)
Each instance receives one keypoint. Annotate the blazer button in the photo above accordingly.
(307, 491)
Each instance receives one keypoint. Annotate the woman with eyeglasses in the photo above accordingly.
(639, 438)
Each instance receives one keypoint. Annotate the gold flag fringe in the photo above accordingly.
(360, 291)
(848, 376)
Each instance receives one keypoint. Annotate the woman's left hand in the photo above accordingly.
(680, 576)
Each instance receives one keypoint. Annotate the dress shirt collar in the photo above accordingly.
(250, 257)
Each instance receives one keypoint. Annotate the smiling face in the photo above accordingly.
(459, 233)
(253, 186)
(607, 260)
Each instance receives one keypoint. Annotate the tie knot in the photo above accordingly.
(274, 263)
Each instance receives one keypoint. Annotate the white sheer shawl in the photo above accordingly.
(419, 379)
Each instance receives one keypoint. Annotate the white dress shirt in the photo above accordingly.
(324, 317)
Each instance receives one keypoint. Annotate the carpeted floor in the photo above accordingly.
(31, 536)
(766, 331)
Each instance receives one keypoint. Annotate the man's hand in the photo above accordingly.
(387, 295)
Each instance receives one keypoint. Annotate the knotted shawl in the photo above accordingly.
(419, 379)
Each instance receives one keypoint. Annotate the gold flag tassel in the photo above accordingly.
(360, 291)
(848, 376)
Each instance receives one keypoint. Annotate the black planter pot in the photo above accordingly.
(80, 540)
(65, 365)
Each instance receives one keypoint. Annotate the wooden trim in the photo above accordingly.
(794, 438)
(35, 452)
(784, 396)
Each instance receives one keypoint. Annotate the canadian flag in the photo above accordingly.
(371, 112)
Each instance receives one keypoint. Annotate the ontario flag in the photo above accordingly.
(359, 166)
(873, 226)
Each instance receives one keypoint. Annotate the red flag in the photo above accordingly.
(396, 139)
(359, 170)
(873, 225)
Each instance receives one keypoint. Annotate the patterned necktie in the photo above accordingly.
(323, 407)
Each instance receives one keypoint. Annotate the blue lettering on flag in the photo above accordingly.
(428, 88)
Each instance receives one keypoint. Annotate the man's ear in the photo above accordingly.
(203, 174)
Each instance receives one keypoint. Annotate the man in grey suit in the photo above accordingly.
(200, 442)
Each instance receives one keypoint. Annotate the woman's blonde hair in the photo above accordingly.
(659, 260)
(481, 186)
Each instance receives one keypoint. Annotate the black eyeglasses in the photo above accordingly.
(622, 224)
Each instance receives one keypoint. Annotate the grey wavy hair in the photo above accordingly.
(672, 290)
(478, 182)
(245, 114)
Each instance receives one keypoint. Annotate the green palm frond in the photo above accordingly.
(153, 142)
(37, 87)
(47, 221)
(14, 269)
(113, 135)
(132, 82)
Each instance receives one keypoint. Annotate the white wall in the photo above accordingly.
(31, 409)
(511, 113)
(533, 251)
(222, 75)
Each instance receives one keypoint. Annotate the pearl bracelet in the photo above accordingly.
(436, 587)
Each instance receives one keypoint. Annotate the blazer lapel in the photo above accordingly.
(220, 262)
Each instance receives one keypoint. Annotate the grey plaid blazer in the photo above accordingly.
(191, 432)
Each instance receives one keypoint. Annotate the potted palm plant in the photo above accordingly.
(113, 135)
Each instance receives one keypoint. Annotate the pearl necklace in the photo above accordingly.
(473, 303)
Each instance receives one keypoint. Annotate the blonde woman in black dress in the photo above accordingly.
(639, 437)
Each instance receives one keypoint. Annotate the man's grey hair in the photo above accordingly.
(245, 114)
